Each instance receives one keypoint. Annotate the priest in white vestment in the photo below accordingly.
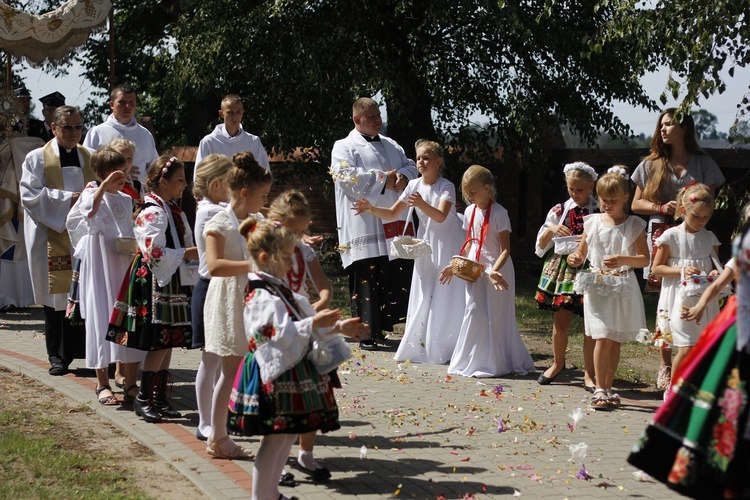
(367, 164)
(52, 179)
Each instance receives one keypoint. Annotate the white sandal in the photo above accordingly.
(236, 453)
(613, 398)
(600, 400)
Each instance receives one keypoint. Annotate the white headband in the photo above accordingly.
(618, 170)
(579, 165)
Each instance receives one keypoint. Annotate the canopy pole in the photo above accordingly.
(112, 78)
(9, 64)
(8, 72)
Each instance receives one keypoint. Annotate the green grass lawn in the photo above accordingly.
(44, 454)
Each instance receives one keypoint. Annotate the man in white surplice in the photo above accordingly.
(229, 138)
(52, 179)
(122, 123)
(369, 165)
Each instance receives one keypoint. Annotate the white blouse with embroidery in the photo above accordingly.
(151, 234)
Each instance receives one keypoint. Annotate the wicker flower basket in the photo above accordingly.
(464, 268)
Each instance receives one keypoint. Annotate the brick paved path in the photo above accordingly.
(407, 431)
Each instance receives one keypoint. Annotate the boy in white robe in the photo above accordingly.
(122, 123)
(229, 138)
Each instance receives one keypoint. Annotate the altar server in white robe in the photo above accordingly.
(229, 138)
(52, 180)
(122, 123)
(367, 164)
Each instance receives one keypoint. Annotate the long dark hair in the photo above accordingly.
(660, 170)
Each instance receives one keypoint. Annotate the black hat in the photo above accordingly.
(53, 100)
(22, 92)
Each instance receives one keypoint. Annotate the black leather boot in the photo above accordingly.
(160, 396)
(144, 403)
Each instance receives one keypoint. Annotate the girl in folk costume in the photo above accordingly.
(283, 388)
(212, 193)
(292, 209)
(228, 263)
(699, 440)
(489, 343)
(106, 251)
(435, 312)
(614, 243)
(683, 251)
(555, 288)
(152, 312)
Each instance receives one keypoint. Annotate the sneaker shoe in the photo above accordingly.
(664, 377)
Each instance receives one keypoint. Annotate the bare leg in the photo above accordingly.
(666, 357)
(614, 361)
(560, 327)
(307, 441)
(588, 361)
(102, 379)
(154, 360)
(602, 362)
(120, 374)
(306, 459)
(130, 377)
(166, 359)
(682, 352)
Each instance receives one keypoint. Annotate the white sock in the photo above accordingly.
(307, 460)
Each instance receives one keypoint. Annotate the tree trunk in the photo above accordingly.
(409, 105)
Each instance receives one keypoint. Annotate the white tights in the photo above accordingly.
(205, 380)
(268, 464)
(222, 392)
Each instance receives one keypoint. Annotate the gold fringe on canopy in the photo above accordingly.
(51, 36)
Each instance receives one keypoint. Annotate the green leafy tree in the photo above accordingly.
(739, 133)
(695, 39)
(705, 124)
(436, 63)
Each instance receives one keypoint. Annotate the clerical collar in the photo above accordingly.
(68, 158)
(371, 139)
